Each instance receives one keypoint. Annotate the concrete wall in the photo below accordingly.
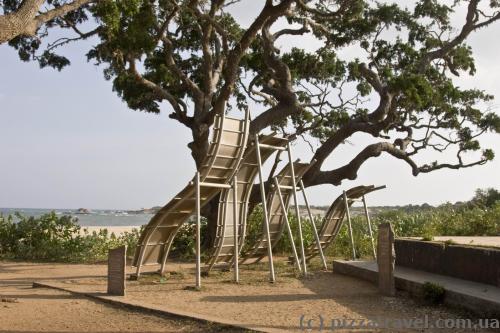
(464, 262)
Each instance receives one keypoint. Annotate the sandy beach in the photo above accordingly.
(469, 240)
(117, 230)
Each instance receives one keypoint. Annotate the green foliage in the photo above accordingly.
(53, 238)
(321, 66)
(433, 293)
(253, 229)
(474, 218)
(130, 34)
(486, 198)
(183, 246)
(284, 245)
(446, 220)
(61, 239)
(190, 54)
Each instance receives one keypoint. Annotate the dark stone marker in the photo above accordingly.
(116, 271)
(385, 259)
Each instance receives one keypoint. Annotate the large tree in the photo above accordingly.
(400, 88)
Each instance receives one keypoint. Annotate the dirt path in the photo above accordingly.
(254, 302)
(25, 309)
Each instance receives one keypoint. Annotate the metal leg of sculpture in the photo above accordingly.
(235, 229)
(315, 231)
(369, 227)
(297, 212)
(198, 226)
(346, 202)
(287, 223)
(272, 277)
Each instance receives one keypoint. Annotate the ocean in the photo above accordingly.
(95, 217)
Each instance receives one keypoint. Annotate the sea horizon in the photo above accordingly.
(94, 217)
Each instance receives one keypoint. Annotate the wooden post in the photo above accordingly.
(116, 271)
(385, 259)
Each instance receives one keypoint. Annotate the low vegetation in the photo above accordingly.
(60, 238)
(477, 217)
(465, 219)
(57, 238)
(433, 293)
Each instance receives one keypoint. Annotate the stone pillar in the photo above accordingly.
(385, 259)
(116, 271)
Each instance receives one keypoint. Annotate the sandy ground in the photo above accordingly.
(117, 230)
(25, 309)
(474, 240)
(253, 302)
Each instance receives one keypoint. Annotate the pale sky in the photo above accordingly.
(68, 141)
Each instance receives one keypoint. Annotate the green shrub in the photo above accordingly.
(253, 229)
(53, 238)
(284, 245)
(433, 293)
(183, 246)
(447, 219)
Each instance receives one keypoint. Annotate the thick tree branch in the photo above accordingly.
(180, 108)
(350, 170)
(272, 116)
(26, 22)
(231, 68)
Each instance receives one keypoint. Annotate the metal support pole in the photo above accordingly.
(235, 230)
(369, 228)
(198, 226)
(141, 257)
(349, 225)
(318, 243)
(288, 229)
(297, 211)
(272, 277)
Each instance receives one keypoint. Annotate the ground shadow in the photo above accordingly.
(263, 298)
(39, 296)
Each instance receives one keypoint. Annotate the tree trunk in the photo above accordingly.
(199, 149)
(210, 212)
(199, 145)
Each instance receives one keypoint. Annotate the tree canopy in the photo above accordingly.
(195, 56)
(486, 198)
(379, 68)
